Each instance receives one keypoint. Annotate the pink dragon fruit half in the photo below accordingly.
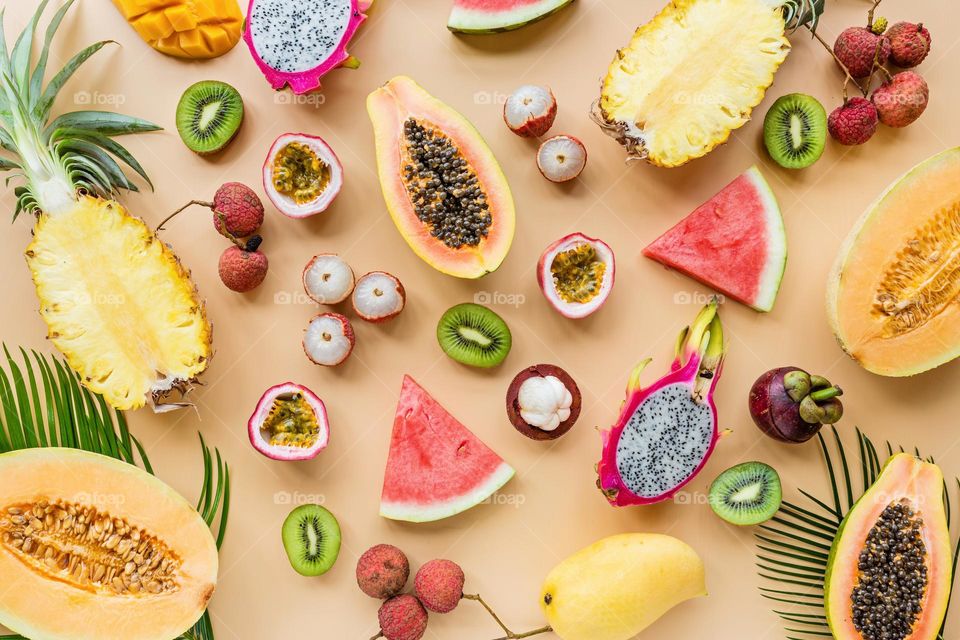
(296, 42)
(666, 432)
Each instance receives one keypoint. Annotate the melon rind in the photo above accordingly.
(428, 512)
(773, 271)
(479, 22)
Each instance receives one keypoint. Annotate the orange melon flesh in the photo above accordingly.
(904, 477)
(389, 108)
(51, 603)
(892, 296)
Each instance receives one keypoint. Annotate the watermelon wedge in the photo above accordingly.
(494, 16)
(436, 467)
(734, 243)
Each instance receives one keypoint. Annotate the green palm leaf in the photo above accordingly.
(43, 404)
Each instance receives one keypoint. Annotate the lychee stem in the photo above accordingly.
(873, 9)
(849, 77)
(201, 203)
(510, 635)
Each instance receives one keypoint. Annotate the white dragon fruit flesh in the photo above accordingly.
(296, 42)
(666, 432)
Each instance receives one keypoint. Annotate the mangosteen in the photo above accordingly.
(543, 402)
(791, 405)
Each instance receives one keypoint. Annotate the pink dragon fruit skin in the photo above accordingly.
(695, 371)
(306, 80)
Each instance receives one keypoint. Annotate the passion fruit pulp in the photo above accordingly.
(289, 423)
(576, 274)
(301, 175)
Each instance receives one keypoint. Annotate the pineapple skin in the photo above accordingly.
(117, 302)
(691, 76)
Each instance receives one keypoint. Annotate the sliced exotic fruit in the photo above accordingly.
(891, 294)
(530, 111)
(795, 130)
(482, 17)
(301, 175)
(735, 243)
(747, 494)
(209, 116)
(296, 42)
(441, 183)
(378, 297)
(561, 158)
(436, 467)
(474, 335)
(311, 537)
(98, 548)
(328, 279)
(289, 423)
(543, 402)
(790, 405)
(329, 339)
(196, 29)
(890, 568)
(666, 432)
(576, 274)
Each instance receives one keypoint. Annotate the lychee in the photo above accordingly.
(402, 618)
(329, 339)
(378, 296)
(530, 111)
(858, 48)
(382, 571)
(237, 210)
(909, 44)
(854, 122)
(561, 158)
(439, 585)
(328, 279)
(243, 268)
(902, 99)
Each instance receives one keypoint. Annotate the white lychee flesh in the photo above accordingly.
(544, 402)
(530, 110)
(328, 279)
(378, 296)
(329, 339)
(561, 158)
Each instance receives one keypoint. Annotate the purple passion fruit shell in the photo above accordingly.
(516, 412)
(289, 423)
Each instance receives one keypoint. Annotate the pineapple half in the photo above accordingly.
(694, 74)
(116, 300)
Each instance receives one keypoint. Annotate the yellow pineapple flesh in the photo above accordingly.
(117, 302)
(690, 77)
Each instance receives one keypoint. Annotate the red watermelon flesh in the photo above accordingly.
(492, 16)
(436, 467)
(734, 243)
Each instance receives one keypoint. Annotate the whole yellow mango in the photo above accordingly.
(617, 587)
(185, 28)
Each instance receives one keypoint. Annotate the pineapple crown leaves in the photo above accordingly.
(75, 151)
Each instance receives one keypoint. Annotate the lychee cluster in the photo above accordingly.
(864, 53)
(529, 112)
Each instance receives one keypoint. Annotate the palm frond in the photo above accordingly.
(793, 549)
(798, 13)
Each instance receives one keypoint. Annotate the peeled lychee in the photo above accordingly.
(561, 158)
(902, 99)
(858, 47)
(530, 111)
(909, 44)
(327, 279)
(439, 585)
(329, 339)
(237, 210)
(854, 122)
(382, 571)
(243, 268)
(378, 296)
(402, 618)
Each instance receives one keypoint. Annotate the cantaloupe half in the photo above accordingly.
(92, 548)
(892, 297)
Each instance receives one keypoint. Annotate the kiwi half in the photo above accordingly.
(209, 115)
(311, 538)
(474, 335)
(747, 494)
(795, 130)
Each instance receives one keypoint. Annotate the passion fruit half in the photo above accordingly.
(289, 423)
(576, 274)
(543, 402)
(301, 175)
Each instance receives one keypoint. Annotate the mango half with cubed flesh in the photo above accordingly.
(185, 28)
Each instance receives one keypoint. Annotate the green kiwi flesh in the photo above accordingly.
(795, 130)
(209, 115)
(311, 538)
(474, 335)
(747, 494)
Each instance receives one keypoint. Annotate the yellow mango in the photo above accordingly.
(185, 28)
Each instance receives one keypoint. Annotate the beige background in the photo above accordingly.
(552, 507)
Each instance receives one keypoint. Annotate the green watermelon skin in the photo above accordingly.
(734, 243)
(496, 16)
(436, 467)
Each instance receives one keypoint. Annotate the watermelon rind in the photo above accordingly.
(479, 22)
(428, 512)
(773, 272)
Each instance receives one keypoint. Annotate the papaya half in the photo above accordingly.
(92, 548)
(441, 182)
(889, 572)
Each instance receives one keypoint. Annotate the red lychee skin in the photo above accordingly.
(237, 209)
(241, 270)
(439, 585)
(382, 571)
(857, 48)
(402, 618)
(909, 44)
(854, 122)
(902, 100)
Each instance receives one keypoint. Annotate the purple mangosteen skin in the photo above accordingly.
(775, 412)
